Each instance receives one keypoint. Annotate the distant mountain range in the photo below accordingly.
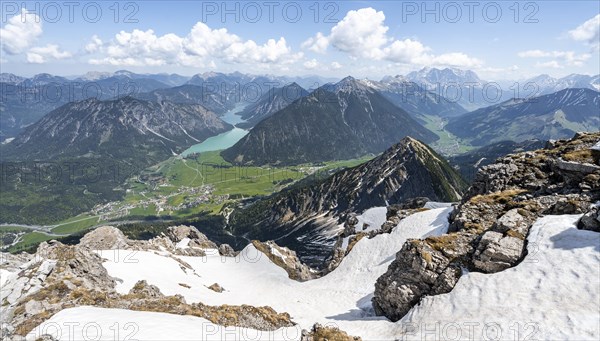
(26, 100)
(463, 87)
(544, 84)
(94, 146)
(127, 129)
(271, 102)
(466, 88)
(337, 121)
(306, 218)
(557, 115)
(414, 99)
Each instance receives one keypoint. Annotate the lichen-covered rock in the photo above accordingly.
(143, 289)
(512, 221)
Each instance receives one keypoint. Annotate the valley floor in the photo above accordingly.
(553, 294)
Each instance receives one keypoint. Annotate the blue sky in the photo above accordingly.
(360, 38)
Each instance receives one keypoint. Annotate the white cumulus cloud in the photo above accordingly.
(311, 64)
(560, 58)
(201, 46)
(363, 34)
(20, 32)
(38, 55)
(336, 65)
(589, 31)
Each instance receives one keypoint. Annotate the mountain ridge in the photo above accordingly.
(353, 121)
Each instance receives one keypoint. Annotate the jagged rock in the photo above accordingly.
(591, 220)
(572, 166)
(286, 259)
(574, 204)
(105, 238)
(413, 203)
(512, 221)
(145, 290)
(12, 262)
(395, 213)
(216, 287)
(495, 252)
(350, 226)
(227, 251)
(336, 259)
(417, 269)
(33, 307)
(197, 239)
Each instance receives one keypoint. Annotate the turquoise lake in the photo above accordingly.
(223, 140)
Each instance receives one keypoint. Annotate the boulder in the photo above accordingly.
(197, 239)
(417, 270)
(591, 220)
(216, 288)
(496, 252)
(105, 238)
(512, 221)
(227, 251)
(144, 290)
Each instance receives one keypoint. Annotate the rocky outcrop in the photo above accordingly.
(489, 228)
(496, 252)
(216, 287)
(62, 276)
(286, 259)
(178, 240)
(319, 332)
(196, 238)
(590, 220)
(395, 213)
(105, 238)
(226, 250)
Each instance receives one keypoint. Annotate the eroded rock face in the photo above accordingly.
(286, 259)
(591, 220)
(227, 251)
(496, 252)
(419, 269)
(488, 230)
(197, 239)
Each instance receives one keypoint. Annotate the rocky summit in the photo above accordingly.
(312, 214)
(489, 229)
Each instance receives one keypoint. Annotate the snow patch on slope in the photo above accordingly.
(553, 294)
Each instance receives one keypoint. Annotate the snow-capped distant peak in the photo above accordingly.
(95, 75)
